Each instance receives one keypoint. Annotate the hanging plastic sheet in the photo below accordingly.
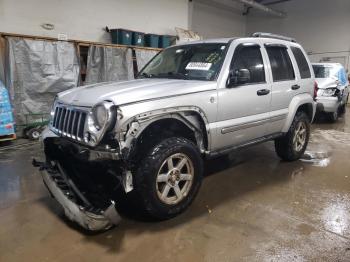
(2, 59)
(143, 57)
(106, 64)
(38, 70)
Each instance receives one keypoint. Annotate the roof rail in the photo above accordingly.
(269, 35)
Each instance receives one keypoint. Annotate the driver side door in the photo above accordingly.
(243, 108)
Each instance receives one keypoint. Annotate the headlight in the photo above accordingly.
(100, 114)
(329, 92)
(100, 120)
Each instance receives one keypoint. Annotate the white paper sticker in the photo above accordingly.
(198, 66)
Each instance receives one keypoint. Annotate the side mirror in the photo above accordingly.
(238, 77)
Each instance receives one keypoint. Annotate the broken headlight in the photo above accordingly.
(329, 91)
(100, 120)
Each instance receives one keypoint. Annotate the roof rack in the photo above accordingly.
(269, 35)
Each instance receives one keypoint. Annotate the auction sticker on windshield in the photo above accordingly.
(198, 66)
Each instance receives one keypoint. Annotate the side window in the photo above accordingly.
(281, 66)
(302, 63)
(249, 57)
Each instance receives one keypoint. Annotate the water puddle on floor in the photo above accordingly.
(322, 144)
(320, 159)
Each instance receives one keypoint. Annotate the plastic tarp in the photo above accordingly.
(342, 76)
(143, 57)
(6, 117)
(37, 71)
(106, 64)
(2, 59)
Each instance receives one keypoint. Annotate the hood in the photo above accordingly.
(132, 91)
(324, 83)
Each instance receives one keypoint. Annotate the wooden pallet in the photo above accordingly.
(8, 137)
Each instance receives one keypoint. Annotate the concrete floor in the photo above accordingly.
(250, 208)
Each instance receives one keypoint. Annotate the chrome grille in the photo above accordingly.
(69, 122)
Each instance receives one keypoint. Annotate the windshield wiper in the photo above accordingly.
(175, 75)
(145, 75)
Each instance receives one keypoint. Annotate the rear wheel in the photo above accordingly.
(169, 178)
(292, 145)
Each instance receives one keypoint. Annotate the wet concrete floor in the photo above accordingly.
(251, 207)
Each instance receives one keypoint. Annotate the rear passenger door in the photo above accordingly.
(304, 76)
(284, 84)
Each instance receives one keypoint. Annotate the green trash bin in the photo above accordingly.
(121, 36)
(166, 40)
(138, 38)
(152, 40)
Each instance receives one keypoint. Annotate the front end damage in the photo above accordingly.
(87, 183)
(88, 165)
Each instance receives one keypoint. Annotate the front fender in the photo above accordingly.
(132, 127)
(297, 101)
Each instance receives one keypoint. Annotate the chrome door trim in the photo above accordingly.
(234, 128)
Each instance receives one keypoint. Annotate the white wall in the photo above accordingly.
(321, 26)
(217, 18)
(85, 19)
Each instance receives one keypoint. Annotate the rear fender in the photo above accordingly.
(296, 103)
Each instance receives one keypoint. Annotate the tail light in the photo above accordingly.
(315, 90)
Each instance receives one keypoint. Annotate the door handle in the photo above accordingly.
(295, 87)
(263, 92)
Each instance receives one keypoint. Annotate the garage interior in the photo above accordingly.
(251, 205)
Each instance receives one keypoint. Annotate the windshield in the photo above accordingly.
(192, 62)
(322, 71)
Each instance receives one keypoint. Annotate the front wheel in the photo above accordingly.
(292, 145)
(333, 117)
(169, 178)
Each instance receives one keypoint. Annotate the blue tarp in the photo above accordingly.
(6, 116)
(342, 76)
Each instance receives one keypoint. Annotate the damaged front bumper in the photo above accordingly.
(327, 104)
(67, 194)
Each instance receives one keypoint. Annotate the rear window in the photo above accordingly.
(281, 66)
(323, 71)
(302, 63)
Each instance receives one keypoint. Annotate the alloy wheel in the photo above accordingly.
(299, 138)
(174, 178)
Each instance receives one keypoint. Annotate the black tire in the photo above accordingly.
(145, 185)
(333, 117)
(33, 133)
(284, 145)
(342, 110)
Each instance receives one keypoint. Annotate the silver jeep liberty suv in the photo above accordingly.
(144, 141)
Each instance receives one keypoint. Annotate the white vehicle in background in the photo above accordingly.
(333, 90)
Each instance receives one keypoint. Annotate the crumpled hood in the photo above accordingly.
(324, 83)
(126, 92)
